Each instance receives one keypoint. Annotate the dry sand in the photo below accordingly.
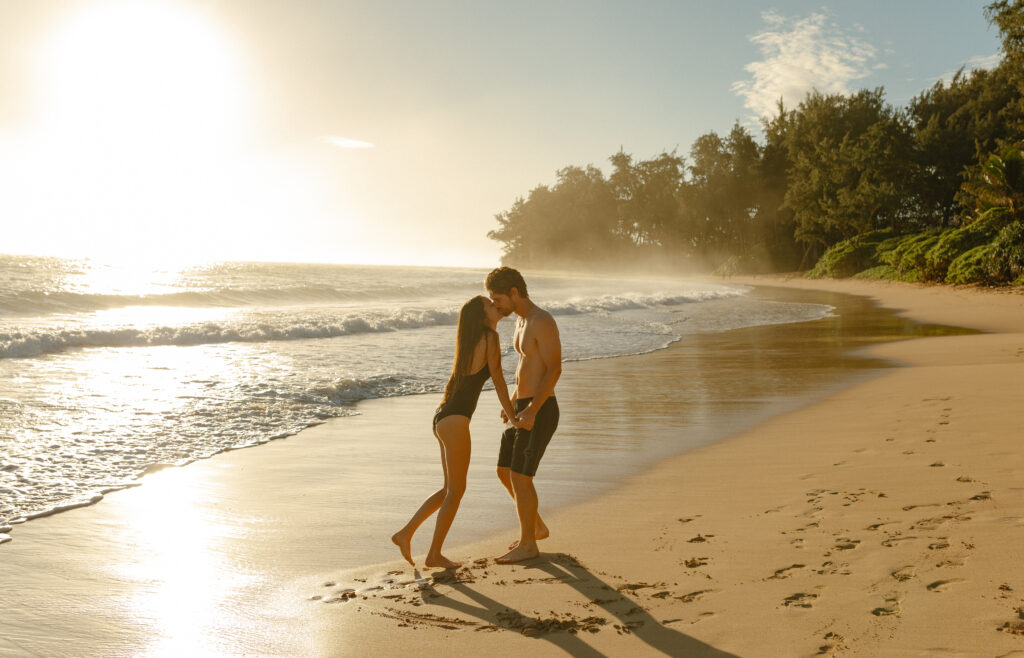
(886, 519)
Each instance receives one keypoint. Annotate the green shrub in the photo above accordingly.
(971, 266)
(908, 254)
(887, 245)
(953, 242)
(850, 256)
(1006, 260)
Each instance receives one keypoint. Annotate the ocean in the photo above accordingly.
(109, 372)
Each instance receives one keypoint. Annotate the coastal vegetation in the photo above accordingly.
(840, 185)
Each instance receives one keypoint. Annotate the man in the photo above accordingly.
(540, 365)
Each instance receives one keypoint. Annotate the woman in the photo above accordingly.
(477, 358)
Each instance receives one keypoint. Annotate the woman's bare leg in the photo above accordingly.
(403, 537)
(453, 433)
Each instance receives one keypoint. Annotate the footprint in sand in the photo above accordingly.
(949, 564)
(800, 600)
(1013, 628)
(833, 644)
(905, 573)
(830, 568)
(1016, 626)
(943, 585)
(846, 544)
(784, 572)
(695, 562)
(891, 607)
(907, 508)
(893, 541)
(694, 596)
(939, 545)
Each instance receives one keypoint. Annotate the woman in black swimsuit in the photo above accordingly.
(477, 359)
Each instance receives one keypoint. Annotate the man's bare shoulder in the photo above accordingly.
(542, 322)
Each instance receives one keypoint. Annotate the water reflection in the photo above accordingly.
(711, 385)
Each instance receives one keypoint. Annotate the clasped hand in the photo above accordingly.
(523, 420)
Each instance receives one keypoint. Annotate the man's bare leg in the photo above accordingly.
(526, 508)
(541, 532)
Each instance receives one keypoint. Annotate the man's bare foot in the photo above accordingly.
(442, 562)
(542, 532)
(402, 542)
(518, 554)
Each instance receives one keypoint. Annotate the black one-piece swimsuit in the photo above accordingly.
(463, 400)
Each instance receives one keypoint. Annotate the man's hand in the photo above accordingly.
(526, 418)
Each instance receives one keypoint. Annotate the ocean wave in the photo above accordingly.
(611, 303)
(347, 391)
(44, 302)
(32, 342)
(22, 344)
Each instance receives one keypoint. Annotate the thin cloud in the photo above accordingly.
(800, 55)
(973, 63)
(347, 143)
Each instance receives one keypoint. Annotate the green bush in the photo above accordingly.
(908, 254)
(953, 242)
(887, 245)
(850, 256)
(971, 266)
(1006, 263)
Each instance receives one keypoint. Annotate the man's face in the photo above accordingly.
(501, 302)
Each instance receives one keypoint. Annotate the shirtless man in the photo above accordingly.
(540, 365)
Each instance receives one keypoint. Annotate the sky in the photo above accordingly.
(392, 132)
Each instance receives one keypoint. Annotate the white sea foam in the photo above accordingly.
(29, 342)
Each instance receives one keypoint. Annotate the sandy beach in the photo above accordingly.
(868, 512)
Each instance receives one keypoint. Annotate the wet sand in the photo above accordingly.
(782, 539)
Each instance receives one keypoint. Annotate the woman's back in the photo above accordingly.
(464, 398)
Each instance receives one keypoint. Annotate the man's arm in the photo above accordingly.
(549, 349)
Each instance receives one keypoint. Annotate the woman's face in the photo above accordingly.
(491, 313)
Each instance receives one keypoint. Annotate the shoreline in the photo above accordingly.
(374, 620)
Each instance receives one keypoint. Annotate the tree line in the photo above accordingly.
(837, 183)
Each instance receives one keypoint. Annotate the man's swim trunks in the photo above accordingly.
(521, 449)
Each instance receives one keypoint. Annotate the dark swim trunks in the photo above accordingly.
(521, 449)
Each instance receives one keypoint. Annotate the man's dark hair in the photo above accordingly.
(503, 279)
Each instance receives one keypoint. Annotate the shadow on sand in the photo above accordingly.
(565, 631)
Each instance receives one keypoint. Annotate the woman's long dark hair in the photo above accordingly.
(471, 330)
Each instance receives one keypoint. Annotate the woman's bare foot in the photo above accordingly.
(518, 554)
(402, 542)
(542, 532)
(441, 561)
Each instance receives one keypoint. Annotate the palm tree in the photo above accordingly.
(997, 184)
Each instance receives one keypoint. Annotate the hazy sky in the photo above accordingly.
(392, 132)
